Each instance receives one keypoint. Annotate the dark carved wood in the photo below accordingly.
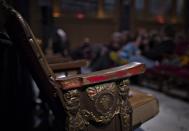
(24, 40)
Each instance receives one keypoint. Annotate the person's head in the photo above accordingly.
(124, 37)
(115, 43)
(142, 31)
(87, 40)
(168, 31)
(62, 34)
(116, 37)
(155, 38)
(133, 37)
(180, 38)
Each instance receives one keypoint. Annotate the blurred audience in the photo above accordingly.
(132, 52)
(83, 51)
(153, 48)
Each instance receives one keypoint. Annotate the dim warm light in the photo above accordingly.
(80, 16)
(160, 19)
(173, 20)
(56, 14)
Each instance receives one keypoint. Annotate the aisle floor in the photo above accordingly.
(173, 115)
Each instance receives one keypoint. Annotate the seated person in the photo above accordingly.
(131, 52)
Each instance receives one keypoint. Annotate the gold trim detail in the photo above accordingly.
(109, 99)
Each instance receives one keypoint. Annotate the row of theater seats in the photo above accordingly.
(172, 79)
(96, 101)
(169, 79)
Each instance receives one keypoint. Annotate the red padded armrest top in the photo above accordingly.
(112, 74)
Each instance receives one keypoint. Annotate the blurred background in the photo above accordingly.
(111, 33)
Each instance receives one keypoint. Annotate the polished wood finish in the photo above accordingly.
(97, 77)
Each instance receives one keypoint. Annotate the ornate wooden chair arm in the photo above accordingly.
(144, 106)
(99, 97)
(98, 77)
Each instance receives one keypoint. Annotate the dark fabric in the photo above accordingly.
(102, 62)
(16, 94)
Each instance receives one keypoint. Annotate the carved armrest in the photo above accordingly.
(99, 97)
(144, 106)
(108, 75)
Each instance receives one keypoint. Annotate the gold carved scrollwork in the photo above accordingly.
(102, 119)
(109, 99)
(95, 90)
(125, 107)
(106, 103)
(72, 104)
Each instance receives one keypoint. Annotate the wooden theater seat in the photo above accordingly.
(145, 106)
(95, 101)
(96, 96)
